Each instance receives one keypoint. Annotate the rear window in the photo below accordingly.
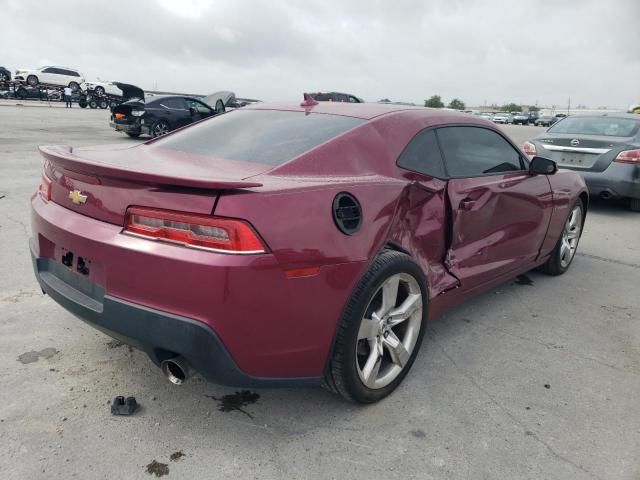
(604, 126)
(262, 136)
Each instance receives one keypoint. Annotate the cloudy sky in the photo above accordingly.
(489, 51)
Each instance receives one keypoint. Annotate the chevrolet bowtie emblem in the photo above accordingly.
(77, 197)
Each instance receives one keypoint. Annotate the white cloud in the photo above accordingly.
(494, 51)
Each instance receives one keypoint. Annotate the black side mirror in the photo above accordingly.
(542, 166)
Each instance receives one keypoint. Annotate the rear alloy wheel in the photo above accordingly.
(635, 204)
(32, 80)
(99, 91)
(564, 251)
(74, 85)
(381, 330)
(159, 128)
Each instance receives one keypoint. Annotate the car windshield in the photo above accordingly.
(263, 136)
(604, 126)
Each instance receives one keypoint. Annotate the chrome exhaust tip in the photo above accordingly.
(176, 370)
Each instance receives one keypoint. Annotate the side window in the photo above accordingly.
(50, 70)
(340, 97)
(475, 151)
(353, 99)
(422, 154)
(173, 103)
(199, 107)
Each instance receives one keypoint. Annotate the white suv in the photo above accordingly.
(101, 88)
(61, 76)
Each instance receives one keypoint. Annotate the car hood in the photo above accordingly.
(130, 92)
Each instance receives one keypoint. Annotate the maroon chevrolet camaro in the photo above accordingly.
(307, 244)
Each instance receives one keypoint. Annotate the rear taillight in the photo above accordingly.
(119, 116)
(45, 187)
(219, 234)
(530, 149)
(629, 156)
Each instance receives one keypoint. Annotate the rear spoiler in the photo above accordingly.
(63, 156)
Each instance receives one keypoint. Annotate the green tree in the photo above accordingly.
(533, 108)
(434, 102)
(511, 107)
(457, 104)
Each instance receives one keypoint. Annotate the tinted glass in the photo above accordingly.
(606, 126)
(50, 70)
(261, 136)
(473, 152)
(422, 154)
(199, 107)
(323, 97)
(173, 103)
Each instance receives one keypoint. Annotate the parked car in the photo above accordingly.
(62, 76)
(158, 115)
(336, 97)
(544, 121)
(522, 118)
(486, 115)
(604, 149)
(101, 88)
(299, 244)
(5, 74)
(502, 118)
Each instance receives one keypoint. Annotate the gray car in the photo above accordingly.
(605, 149)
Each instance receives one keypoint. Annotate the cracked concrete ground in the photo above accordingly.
(535, 381)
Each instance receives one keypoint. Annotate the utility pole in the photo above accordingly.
(569, 107)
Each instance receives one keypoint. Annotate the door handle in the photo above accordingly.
(466, 204)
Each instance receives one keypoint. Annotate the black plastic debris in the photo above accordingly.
(122, 406)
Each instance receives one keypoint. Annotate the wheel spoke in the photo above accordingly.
(389, 295)
(372, 367)
(399, 354)
(412, 304)
(368, 328)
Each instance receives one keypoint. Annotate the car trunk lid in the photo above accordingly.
(582, 152)
(102, 182)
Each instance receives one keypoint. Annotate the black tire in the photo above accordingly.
(4, 77)
(22, 93)
(93, 104)
(99, 91)
(32, 80)
(133, 135)
(553, 265)
(82, 104)
(342, 375)
(103, 104)
(74, 85)
(635, 204)
(160, 128)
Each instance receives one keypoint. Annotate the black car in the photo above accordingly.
(158, 115)
(5, 74)
(335, 97)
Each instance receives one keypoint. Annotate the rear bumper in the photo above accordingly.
(619, 180)
(126, 127)
(159, 334)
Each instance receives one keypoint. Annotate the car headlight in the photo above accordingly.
(137, 113)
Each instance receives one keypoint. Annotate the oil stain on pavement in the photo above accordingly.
(33, 356)
(158, 469)
(236, 401)
(175, 456)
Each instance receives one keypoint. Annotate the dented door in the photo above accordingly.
(498, 224)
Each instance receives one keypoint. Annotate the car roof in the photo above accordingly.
(365, 111)
(629, 116)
